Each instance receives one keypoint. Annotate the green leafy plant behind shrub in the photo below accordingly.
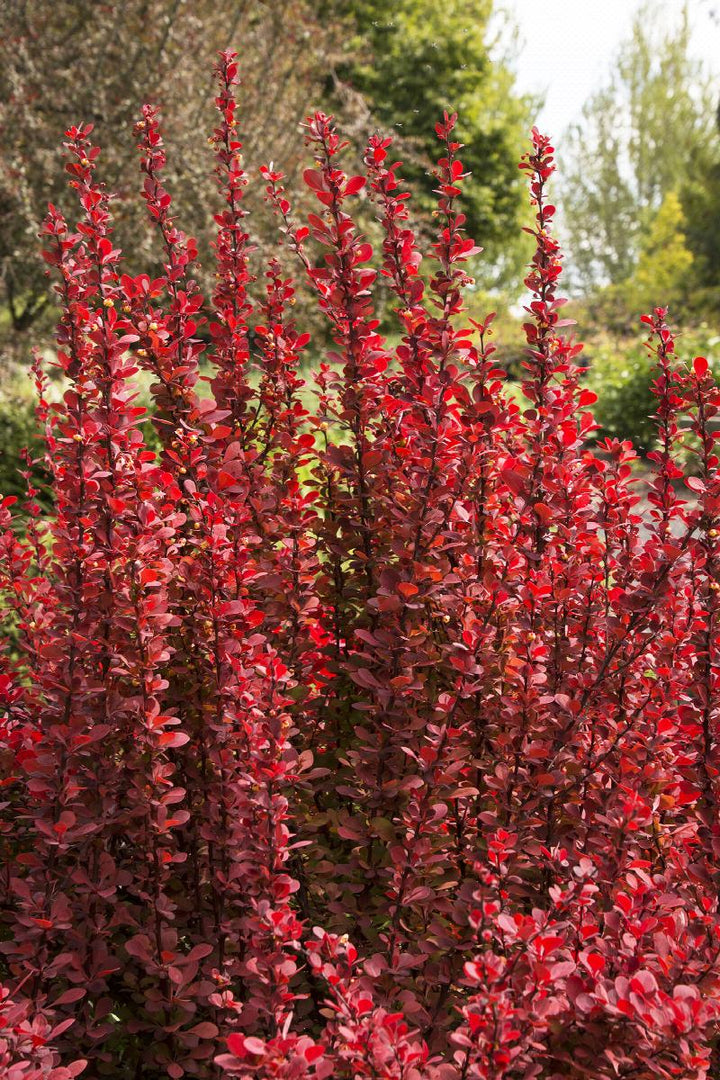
(18, 431)
(621, 376)
(621, 373)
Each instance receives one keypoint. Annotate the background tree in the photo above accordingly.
(632, 147)
(664, 265)
(701, 205)
(413, 59)
(64, 59)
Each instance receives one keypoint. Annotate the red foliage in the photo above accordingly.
(377, 737)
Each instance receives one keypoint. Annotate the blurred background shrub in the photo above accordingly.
(620, 372)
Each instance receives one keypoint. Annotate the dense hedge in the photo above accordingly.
(371, 737)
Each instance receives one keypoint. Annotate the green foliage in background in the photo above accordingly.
(621, 376)
(621, 373)
(663, 271)
(411, 60)
(700, 195)
(641, 137)
(18, 429)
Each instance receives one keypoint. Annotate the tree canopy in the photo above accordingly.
(635, 143)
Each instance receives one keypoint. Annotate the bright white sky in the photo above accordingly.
(567, 47)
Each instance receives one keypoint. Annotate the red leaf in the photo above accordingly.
(205, 1030)
(314, 179)
(354, 184)
(173, 739)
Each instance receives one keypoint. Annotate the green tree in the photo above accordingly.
(411, 60)
(700, 196)
(662, 273)
(633, 146)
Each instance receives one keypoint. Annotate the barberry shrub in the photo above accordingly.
(366, 729)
